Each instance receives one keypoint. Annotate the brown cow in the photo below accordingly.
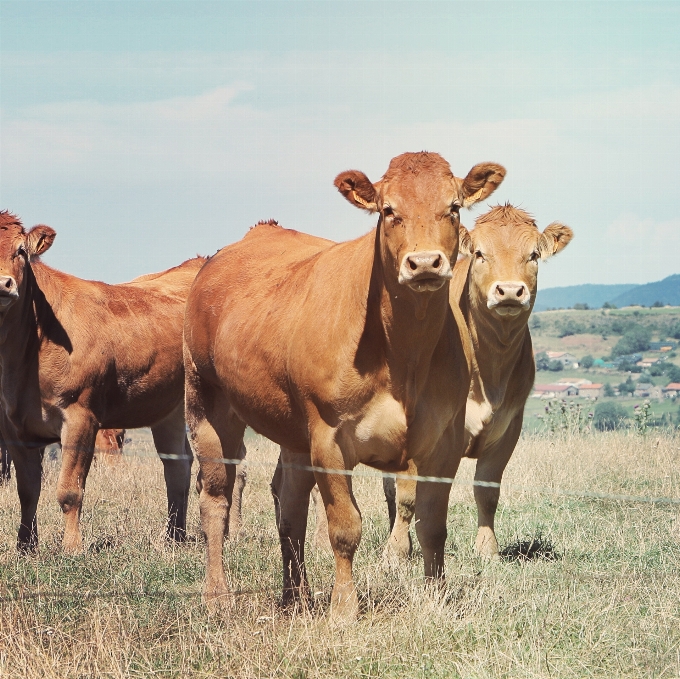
(78, 355)
(341, 353)
(495, 286)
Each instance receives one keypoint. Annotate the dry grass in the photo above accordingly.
(598, 596)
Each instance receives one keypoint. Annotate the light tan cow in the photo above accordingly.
(77, 356)
(341, 353)
(495, 286)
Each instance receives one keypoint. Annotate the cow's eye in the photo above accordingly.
(479, 255)
(534, 257)
(455, 209)
(387, 211)
(21, 252)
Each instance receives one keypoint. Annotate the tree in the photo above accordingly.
(608, 416)
(657, 304)
(581, 306)
(608, 390)
(627, 387)
(673, 373)
(555, 366)
(542, 361)
(587, 361)
(635, 339)
(609, 305)
(535, 322)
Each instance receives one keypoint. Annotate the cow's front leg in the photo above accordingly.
(78, 435)
(28, 467)
(344, 524)
(290, 488)
(490, 467)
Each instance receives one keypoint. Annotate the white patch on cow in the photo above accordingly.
(384, 420)
(477, 415)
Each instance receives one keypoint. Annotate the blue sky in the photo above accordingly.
(145, 132)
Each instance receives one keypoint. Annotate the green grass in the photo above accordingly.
(600, 596)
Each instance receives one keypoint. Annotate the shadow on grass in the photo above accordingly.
(534, 549)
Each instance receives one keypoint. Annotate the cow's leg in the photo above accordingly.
(321, 541)
(5, 462)
(216, 434)
(28, 467)
(344, 523)
(490, 467)
(401, 502)
(290, 488)
(77, 449)
(432, 499)
(169, 437)
(235, 513)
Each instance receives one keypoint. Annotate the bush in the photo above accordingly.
(570, 328)
(555, 366)
(608, 390)
(542, 361)
(609, 415)
(672, 372)
(581, 306)
(587, 361)
(609, 305)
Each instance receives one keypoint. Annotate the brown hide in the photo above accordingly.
(342, 353)
(108, 446)
(80, 355)
(495, 287)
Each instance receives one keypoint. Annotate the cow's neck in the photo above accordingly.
(412, 325)
(501, 341)
(28, 322)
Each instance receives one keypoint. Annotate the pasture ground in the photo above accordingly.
(600, 596)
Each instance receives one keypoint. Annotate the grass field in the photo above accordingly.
(599, 598)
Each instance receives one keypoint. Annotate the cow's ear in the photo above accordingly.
(482, 180)
(465, 246)
(39, 239)
(556, 237)
(357, 189)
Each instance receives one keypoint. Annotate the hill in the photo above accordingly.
(592, 295)
(666, 291)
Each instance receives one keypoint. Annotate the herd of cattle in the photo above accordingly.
(405, 349)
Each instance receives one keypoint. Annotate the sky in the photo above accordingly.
(145, 132)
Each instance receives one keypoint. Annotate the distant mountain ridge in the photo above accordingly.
(666, 291)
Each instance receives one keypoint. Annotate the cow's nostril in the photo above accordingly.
(500, 290)
(412, 264)
(520, 292)
(437, 263)
(8, 283)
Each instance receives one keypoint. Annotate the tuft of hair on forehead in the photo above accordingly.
(417, 163)
(8, 219)
(506, 214)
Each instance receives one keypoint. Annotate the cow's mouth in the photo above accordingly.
(426, 283)
(508, 308)
(6, 301)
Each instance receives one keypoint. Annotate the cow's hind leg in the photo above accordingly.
(235, 512)
(173, 448)
(28, 467)
(216, 434)
(291, 487)
(77, 450)
(401, 501)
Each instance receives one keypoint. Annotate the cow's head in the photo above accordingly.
(17, 247)
(505, 247)
(419, 201)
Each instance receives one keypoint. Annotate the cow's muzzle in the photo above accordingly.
(9, 292)
(425, 271)
(508, 298)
